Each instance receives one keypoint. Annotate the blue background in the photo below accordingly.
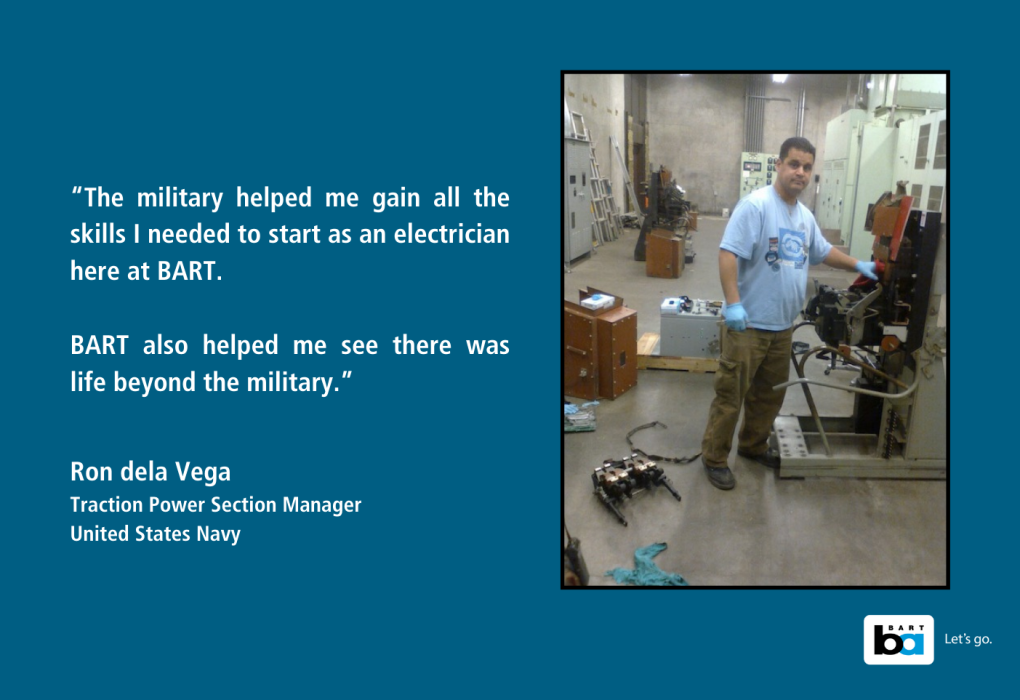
(449, 577)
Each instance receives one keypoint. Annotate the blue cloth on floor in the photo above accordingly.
(646, 573)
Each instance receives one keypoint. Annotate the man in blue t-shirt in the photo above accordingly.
(763, 261)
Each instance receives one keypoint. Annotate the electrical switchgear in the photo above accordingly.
(756, 170)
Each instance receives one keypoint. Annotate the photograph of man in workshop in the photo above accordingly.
(754, 360)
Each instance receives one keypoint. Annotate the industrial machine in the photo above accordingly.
(890, 331)
(667, 208)
(756, 170)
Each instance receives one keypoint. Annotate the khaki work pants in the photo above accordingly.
(752, 362)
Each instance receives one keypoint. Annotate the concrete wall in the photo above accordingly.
(697, 128)
(599, 98)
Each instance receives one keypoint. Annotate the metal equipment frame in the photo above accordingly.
(912, 437)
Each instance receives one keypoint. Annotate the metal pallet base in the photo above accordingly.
(802, 454)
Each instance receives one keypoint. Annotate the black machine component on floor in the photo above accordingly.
(618, 479)
(667, 209)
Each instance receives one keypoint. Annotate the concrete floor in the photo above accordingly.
(767, 531)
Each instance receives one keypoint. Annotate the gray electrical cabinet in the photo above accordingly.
(899, 139)
(689, 328)
(835, 201)
(858, 169)
(906, 92)
(921, 159)
(577, 216)
(873, 171)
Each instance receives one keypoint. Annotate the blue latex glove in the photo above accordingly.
(867, 269)
(736, 317)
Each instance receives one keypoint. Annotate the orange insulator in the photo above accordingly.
(890, 343)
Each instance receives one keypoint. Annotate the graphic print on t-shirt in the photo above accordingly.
(792, 247)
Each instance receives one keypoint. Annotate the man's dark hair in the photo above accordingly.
(798, 142)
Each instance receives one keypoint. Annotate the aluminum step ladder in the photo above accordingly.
(607, 223)
(626, 175)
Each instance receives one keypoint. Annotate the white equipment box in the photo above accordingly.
(689, 328)
(598, 301)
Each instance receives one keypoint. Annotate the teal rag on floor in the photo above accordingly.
(646, 573)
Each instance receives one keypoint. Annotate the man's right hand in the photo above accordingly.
(736, 317)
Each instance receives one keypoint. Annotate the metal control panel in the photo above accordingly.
(756, 170)
(577, 216)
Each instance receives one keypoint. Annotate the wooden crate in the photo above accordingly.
(617, 351)
(580, 373)
(648, 360)
(664, 254)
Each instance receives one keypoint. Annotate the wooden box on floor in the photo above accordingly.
(616, 332)
(664, 254)
(600, 348)
(580, 372)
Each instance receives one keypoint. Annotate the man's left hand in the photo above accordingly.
(867, 269)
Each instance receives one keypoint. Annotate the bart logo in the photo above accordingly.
(899, 639)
